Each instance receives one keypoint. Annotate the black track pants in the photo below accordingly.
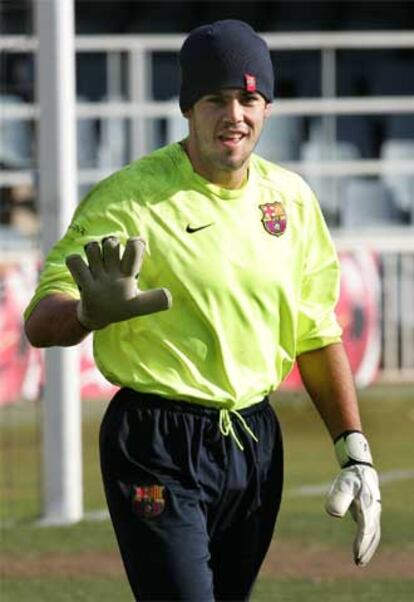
(193, 514)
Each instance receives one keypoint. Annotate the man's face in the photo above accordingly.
(224, 129)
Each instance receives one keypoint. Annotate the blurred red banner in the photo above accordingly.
(21, 366)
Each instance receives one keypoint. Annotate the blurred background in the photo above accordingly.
(343, 118)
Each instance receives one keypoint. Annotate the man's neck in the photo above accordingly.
(230, 179)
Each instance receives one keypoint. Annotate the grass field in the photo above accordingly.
(310, 559)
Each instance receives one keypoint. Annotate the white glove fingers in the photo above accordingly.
(110, 254)
(133, 256)
(364, 550)
(95, 261)
(367, 507)
(149, 302)
(79, 270)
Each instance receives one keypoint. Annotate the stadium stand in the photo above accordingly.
(367, 203)
(16, 137)
(401, 185)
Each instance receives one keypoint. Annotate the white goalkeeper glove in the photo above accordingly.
(108, 285)
(356, 488)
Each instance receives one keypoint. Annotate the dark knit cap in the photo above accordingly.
(225, 54)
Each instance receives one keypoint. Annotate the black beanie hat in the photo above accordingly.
(225, 54)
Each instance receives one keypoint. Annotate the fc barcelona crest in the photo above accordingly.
(274, 218)
(149, 501)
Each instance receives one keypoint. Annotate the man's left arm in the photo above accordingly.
(327, 377)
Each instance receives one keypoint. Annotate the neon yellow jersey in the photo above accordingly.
(253, 274)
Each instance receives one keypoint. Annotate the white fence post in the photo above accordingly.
(138, 79)
(407, 312)
(62, 459)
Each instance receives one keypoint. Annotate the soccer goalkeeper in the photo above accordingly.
(203, 272)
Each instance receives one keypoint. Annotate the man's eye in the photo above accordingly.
(215, 100)
(250, 99)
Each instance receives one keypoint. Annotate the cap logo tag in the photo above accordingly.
(250, 82)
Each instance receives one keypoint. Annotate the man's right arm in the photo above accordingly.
(108, 290)
(54, 322)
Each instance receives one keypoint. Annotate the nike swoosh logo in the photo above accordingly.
(191, 230)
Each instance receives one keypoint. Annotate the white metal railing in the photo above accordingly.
(138, 48)
(283, 106)
(398, 317)
(316, 40)
(394, 250)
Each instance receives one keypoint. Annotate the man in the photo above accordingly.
(191, 450)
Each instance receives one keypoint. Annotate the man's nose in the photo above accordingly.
(233, 111)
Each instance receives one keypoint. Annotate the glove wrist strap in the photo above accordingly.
(80, 318)
(351, 447)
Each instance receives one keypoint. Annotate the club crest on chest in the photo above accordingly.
(148, 501)
(274, 218)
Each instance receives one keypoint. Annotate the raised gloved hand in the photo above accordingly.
(356, 488)
(108, 285)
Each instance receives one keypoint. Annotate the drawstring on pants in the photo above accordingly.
(227, 429)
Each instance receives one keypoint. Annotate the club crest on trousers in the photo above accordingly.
(148, 501)
(274, 218)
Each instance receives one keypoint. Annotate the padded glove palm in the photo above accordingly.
(108, 285)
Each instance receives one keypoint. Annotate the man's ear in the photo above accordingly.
(268, 109)
(187, 113)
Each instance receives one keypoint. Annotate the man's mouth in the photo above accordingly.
(231, 140)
